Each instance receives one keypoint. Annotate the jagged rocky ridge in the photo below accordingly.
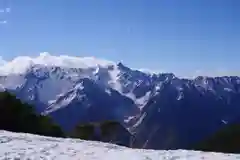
(161, 110)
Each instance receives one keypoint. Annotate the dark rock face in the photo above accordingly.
(177, 119)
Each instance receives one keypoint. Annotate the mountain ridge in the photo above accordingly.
(102, 90)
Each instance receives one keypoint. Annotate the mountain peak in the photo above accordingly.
(121, 66)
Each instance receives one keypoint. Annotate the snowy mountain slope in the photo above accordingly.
(88, 102)
(32, 147)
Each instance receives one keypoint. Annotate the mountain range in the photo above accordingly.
(162, 111)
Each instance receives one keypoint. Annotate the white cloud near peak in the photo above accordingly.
(22, 63)
(3, 22)
(5, 10)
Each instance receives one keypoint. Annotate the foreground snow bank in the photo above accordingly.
(32, 147)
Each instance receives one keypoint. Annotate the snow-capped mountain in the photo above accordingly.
(52, 76)
(59, 84)
(152, 106)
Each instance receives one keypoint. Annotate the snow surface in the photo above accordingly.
(21, 146)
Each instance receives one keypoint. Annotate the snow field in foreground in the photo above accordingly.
(21, 146)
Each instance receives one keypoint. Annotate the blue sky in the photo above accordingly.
(181, 36)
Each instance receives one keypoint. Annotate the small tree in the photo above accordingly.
(84, 131)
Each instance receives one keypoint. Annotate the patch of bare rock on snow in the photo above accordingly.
(22, 146)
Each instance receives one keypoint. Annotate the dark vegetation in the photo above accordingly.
(227, 140)
(83, 131)
(16, 116)
(110, 131)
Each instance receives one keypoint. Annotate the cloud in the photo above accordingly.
(8, 10)
(22, 63)
(3, 22)
(5, 10)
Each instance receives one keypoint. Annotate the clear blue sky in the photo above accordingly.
(181, 36)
